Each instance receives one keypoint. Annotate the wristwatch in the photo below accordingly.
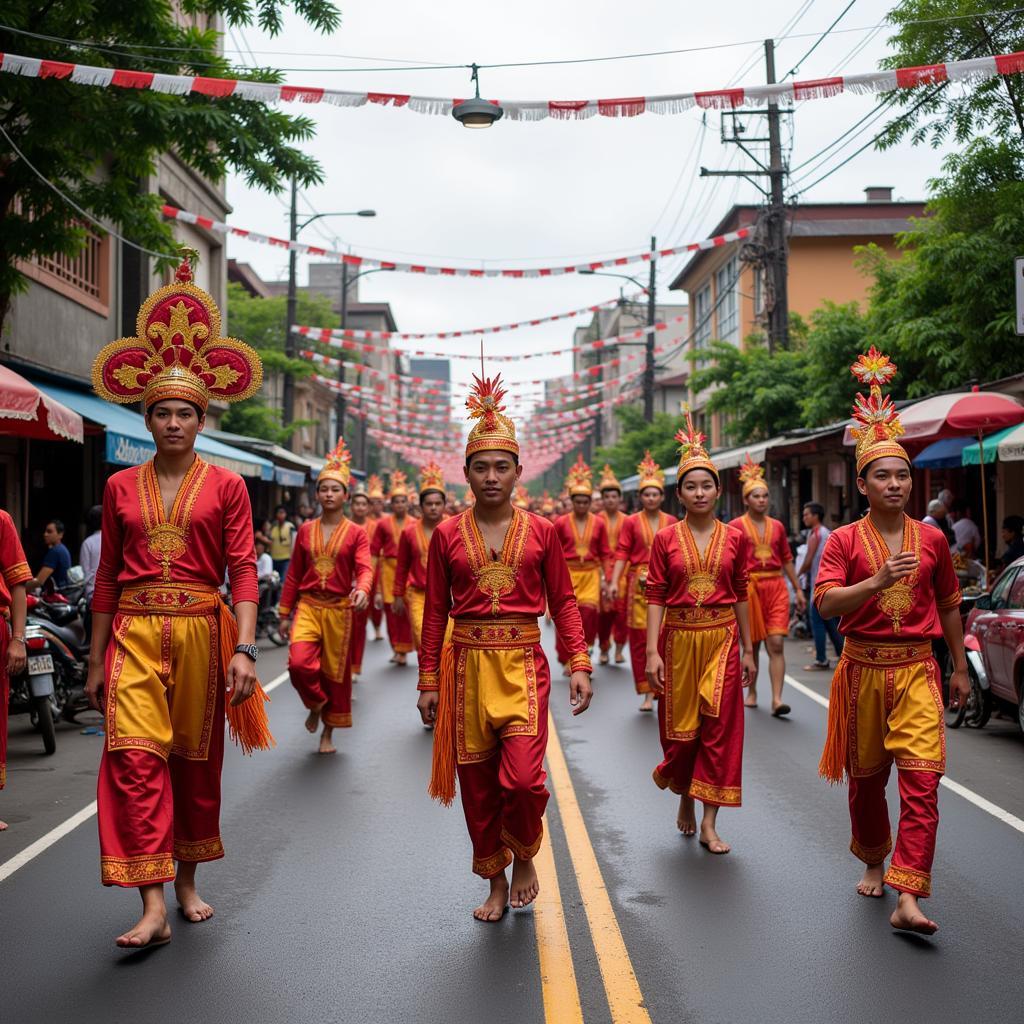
(249, 650)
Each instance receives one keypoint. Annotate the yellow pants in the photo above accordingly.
(415, 602)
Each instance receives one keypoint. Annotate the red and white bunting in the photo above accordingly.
(975, 69)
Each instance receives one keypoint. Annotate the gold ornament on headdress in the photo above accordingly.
(547, 505)
(398, 486)
(492, 431)
(752, 476)
(879, 421)
(650, 473)
(374, 487)
(469, 498)
(177, 352)
(431, 479)
(338, 465)
(609, 481)
(522, 497)
(578, 480)
(692, 453)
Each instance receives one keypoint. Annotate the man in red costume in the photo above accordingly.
(14, 574)
(892, 582)
(164, 646)
(769, 557)
(329, 577)
(612, 623)
(384, 546)
(585, 542)
(375, 497)
(634, 553)
(495, 568)
(360, 514)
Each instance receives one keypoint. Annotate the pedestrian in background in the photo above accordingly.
(282, 540)
(968, 536)
(1013, 538)
(56, 561)
(89, 559)
(817, 535)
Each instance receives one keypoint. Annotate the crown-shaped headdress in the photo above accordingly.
(547, 504)
(338, 465)
(469, 498)
(522, 497)
(692, 453)
(398, 485)
(609, 481)
(177, 352)
(374, 487)
(650, 473)
(751, 476)
(431, 479)
(579, 479)
(879, 421)
(492, 431)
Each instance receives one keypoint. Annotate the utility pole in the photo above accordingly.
(290, 315)
(340, 404)
(652, 313)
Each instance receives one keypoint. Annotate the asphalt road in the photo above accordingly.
(345, 894)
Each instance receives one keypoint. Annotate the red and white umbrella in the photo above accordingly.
(25, 411)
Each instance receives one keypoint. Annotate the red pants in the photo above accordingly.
(638, 658)
(319, 662)
(399, 630)
(360, 626)
(4, 699)
(611, 625)
(589, 615)
(376, 615)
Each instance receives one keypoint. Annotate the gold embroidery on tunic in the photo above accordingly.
(701, 573)
(495, 577)
(167, 536)
(325, 556)
(762, 542)
(898, 599)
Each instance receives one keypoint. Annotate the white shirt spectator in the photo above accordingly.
(89, 559)
(264, 566)
(966, 533)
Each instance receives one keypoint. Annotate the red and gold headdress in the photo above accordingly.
(692, 453)
(469, 498)
(432, 479)
(522, 497)
(177, 353)
(879, 421)
(609, 481)
(752, 476)
(338, 465)
(374, 487)
(492, 431)
(547, 504)
(579, 479)
(398, 485)
(650, 473)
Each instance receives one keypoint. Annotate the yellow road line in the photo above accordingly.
(557, 975)
(624, 997)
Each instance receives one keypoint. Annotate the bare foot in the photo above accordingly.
(908, 916)
(648, 704)
(493, 908)
(620, 658)
(326, 746)
(3, 826)
(751, 699)
(313, 718)
(152, 930)
(871, 882)
(524, 883)
(194, 908)
(400, 659)
(711, 840)
(686, 819)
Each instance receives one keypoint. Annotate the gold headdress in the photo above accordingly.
(469, 498)
(398, 485)
(177, 353)
(522, 497)
(432, 479)
(752, 476)
(692, 453)
(547, 505)
(650, 474)
(579, 479)
(609, 481)
(879, 421)
(374, 487)
(338, 465)
(492, 431)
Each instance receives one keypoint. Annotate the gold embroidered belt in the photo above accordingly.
(506, 633)
(325, 600)
(583, 563)
(713, 617)
(169, 599)
(765, 574)
(873, 653)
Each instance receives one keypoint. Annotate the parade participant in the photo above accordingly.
(768, 598)
(165, 647)
(329, 575)
(14, 575)
(584, 539)
(891, 581)
(375, 496)
(522, 498)
(411, 566)
(495, 568)
(634, 551)
(612, 623)
(699, 656)
(360, 513)
(384, 546)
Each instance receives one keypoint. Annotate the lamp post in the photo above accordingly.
(475, 112)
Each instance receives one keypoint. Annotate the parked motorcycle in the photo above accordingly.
(267, 619)
(34, 690)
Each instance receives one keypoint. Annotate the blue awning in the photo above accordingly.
(289, 477)
(129, 443)
(943, 454)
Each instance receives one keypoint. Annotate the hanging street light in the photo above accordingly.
(475, 112)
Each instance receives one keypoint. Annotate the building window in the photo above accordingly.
(702, 318)
(726, 288)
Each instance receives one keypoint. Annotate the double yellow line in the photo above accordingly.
(558, 977)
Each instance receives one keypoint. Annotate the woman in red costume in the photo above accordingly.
(384, 546)
(612, 623)
(699, 656)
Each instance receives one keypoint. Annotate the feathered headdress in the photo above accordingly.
(879, 421)
(492, 431)
(522, 497)
(431, 479)
(751, 476)
(609, 481)
(338, 465)
(650, 473)
(579, 479)
(374, 487)
(398, 485)
(177, 352)
(692, 453)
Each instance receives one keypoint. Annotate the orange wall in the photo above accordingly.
(825, 268)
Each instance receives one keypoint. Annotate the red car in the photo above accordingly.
(995, 648)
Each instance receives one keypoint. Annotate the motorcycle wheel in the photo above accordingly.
(979, 704)
(44, 722)
(274, 636)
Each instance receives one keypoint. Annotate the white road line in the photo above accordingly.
(979, 801)
(33, 850)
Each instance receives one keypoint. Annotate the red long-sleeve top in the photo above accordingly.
(411, 567)
(538, 579)
(209, 530)
(590, 545)
(13, 564)
(768, 551)
(386, 534)
(613, 527)
(677, 567)
(327, 570)
(636, 537)
(908, 610)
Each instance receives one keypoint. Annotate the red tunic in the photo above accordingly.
(328, 570)
(209, 530)
(908, 610)
(411, 569)
(590, 546)
(537, 578)
(680, 577)
(768, 551)
(636, 537)
(613, 528)
(13, 564)
(384, 541)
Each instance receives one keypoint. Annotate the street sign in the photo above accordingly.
(1018, 282)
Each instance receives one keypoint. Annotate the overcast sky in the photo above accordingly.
(548, 192)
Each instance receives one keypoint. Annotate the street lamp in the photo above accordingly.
(475, 112)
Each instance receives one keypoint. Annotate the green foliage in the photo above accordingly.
(99, 145)
(261, 322)
(637, 436)
(836, 335)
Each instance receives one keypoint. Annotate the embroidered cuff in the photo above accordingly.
(283, 612)
(429, 681)
(821, 590)
(580, 663)
(953, 601)
(18, 573)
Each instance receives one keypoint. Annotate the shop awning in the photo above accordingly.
(29, 411)
(1006, 446)
(128, 442)
(943, 454)
(290, 470)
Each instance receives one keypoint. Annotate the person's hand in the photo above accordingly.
(749, 669)
(581, 693)
(897, 567)
(284, 625)
(427, 706)
(241, 681)
(360, 600)
(801, 602)
(655, 673)
(94, 687)
(378, 602)
(398, 605)
(15, 657)
(959, 688)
